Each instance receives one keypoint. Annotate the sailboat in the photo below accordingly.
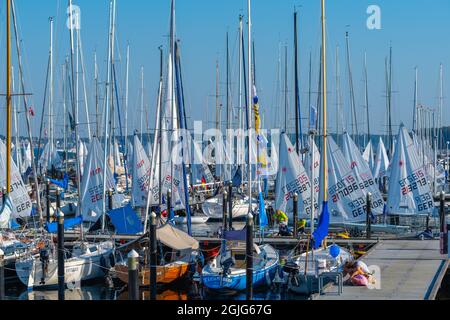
(409, 188)
(368, 155)
(140, 173)
(380, 171)
(92, 184)
(177, 250)
(292, 178)
(84, 262)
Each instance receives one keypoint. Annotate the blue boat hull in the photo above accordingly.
(237, 282)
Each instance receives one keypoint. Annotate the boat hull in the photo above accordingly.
(164, 274)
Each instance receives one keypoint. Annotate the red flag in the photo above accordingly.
(203, 181)
(31, 111)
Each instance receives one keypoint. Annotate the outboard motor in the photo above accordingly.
(227, 264)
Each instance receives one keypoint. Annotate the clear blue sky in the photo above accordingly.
(417, 30)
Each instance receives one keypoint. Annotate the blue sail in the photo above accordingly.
(322, 229)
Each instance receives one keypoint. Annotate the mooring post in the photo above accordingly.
(169, 204)
(369, 215)
(443, 226)
(61, 267)
(230, 204)
(249, 253)
(224, 214)
(153, 257)
(2, 275)
(48, 200)
(110, 200)
(133, 277)
(295, 214)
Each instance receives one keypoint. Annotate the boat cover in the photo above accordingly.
(175, 238)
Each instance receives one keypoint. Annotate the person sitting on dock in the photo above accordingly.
(283, 220)
(301, 226)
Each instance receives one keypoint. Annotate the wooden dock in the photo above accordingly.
(410, 270)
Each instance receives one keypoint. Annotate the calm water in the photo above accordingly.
(186, 290)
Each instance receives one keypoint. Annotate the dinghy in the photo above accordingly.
(177, 251)
(226, 273)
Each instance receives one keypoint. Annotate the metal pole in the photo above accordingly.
(224, 216)
(368, 216)
(133, 285)
(153, 257)
(61, 268)
(169, 204)
(443, 234)
(295, 215)
(48, 201)
(230, 205)
(249, 253)
(8, 97)
(3, 196)
(110, 200)
(2, 275)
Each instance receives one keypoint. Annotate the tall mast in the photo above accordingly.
(96, 95)
(126, 103)
(297, 94)
(161, 80)
(310, 83)
(26, 111)
(415, 100)
(64, 85)
(50, 100)
(241, 120)
(338, 96)
(8, 97)
(249, 108)
(324, 112)
(75, 113)
(106, 111)
(441, 107)
(217, 97)
(366, 78)
(286, 101)
(86, 107)
(142, 101)
(228, 88)
(352, 94)
(391, 140)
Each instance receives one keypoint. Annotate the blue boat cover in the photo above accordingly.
(125, 220)
(68, 224)
(239, 235)
(237, 179)
(64, 184)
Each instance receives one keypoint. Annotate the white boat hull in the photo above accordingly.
(76, 269)
(213, 208)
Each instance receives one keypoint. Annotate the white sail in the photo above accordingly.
(292, 178)
(347, 200)
(83, 152)
(368, 155)
(200, 168)
(49, 158)
(27, 159)
(21, 203)
(92, 184)
(313, 150)
(141, 174)
(409, 189)
(382, 162)
(362, 172)
(117, 160)
(5, 214)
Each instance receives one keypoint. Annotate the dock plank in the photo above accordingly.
(410, 270)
